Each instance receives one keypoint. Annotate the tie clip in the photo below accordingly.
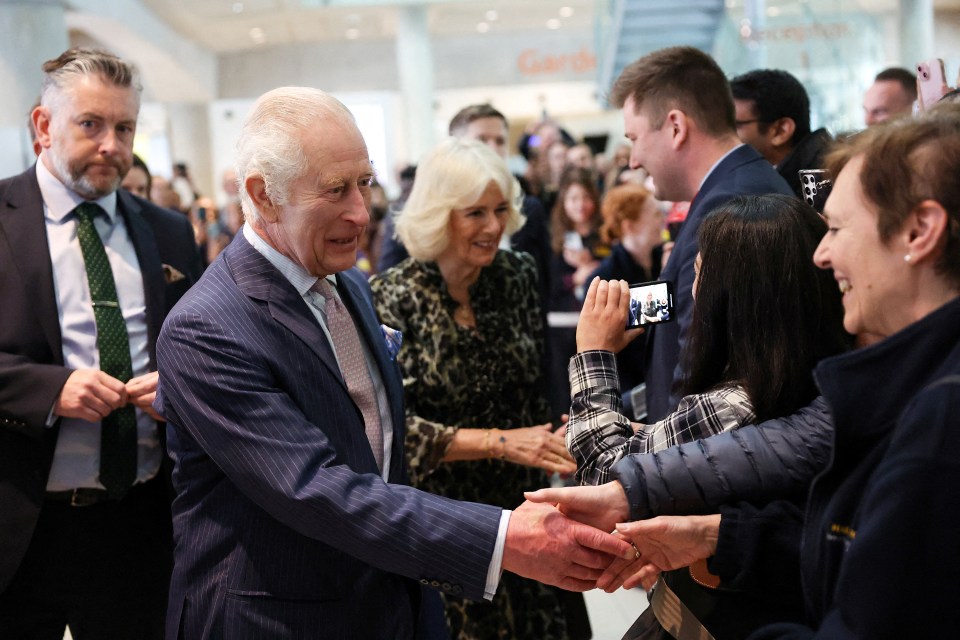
(106, 303)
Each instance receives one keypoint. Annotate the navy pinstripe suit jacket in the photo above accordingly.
(283, 527)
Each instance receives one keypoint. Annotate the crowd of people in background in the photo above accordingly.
(446, 353)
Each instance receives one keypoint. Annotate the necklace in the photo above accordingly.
(463, 315)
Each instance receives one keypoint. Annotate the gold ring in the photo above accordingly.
(635, 551)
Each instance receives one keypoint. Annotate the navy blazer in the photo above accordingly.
(31, 352)
(283, 526)
(743, 172)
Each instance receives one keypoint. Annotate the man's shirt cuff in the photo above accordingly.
(496, 562)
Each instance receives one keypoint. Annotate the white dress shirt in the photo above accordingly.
(76, 460)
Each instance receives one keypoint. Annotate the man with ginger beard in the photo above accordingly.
(87, 274)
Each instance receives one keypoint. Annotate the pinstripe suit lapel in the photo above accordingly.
(258, 279)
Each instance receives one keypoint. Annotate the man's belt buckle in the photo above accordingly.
(87, 497)
(82, 497)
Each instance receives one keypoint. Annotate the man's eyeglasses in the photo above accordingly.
(741, 123)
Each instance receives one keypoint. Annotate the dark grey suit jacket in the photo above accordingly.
(283, 526)
(31, 353)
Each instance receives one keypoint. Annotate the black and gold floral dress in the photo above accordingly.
(484, 377)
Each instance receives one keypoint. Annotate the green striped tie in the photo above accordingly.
(118, 435)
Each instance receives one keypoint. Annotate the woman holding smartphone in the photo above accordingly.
(754, 338)
(754, 342)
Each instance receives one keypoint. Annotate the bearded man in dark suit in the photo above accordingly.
(87, 274)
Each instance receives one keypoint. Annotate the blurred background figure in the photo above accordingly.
(226, 222)
(182, 183)
(619, 163)
(477, 425)
(580, 155)
(633, 227)
(577, 251)
(892, 94)
(206, 228)
(773, 117)
(371, 241)
(163, 195)
(137, 180)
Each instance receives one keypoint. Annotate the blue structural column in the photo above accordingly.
(916, 32)
(415, 67)
(755, 12)
(31, 32)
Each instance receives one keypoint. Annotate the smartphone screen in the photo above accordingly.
(650, 303)
(572, 241)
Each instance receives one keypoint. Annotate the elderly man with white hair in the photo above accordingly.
(292, 517)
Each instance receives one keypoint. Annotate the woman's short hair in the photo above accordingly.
(905, 162)
(623, 202)
(560, 222)
(452, 176)
(764, 313)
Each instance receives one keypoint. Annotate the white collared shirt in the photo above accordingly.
(76, 461)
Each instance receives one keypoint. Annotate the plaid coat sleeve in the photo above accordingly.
(598, 434)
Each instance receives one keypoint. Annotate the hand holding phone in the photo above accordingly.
(603, 319)
(931, 82)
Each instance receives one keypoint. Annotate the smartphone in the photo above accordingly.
(202, 214)
(572, 241)
(931, 82)
(816, 184)
(650, 303)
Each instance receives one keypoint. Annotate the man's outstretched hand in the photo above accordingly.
(545, 545)
(601, 506)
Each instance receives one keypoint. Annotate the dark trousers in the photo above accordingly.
(103, 569)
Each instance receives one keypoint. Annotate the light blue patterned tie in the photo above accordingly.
(118, 431)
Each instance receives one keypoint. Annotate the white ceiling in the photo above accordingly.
(235, 25)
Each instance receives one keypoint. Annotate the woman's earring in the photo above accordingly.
(907, 258)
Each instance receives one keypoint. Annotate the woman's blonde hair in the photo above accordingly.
(453, 176)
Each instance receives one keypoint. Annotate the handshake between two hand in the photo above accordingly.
(559, 537)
